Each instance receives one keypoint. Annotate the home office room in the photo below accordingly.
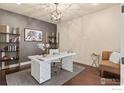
(60, 44)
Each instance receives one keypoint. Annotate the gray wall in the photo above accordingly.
(17, 20)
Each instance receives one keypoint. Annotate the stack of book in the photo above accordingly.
(10, 48)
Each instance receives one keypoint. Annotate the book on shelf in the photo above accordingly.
(10, 48)
(2, 38)
(7, 31)
(15, 39)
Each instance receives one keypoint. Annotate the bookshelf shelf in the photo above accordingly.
(9, 34)
(8, 60)
(9, 42)
(10, 51)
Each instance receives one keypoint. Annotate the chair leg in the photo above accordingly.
(101, 73)
(56, 67)
(54, 64)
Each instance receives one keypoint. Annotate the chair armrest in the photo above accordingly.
(106, 55)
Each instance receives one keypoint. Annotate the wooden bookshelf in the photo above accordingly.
(52, 40)
(9, 46)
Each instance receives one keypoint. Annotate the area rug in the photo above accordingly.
(24, 77)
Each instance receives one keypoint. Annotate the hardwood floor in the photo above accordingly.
(89, 76)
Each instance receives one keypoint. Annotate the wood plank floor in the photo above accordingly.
(89, 76)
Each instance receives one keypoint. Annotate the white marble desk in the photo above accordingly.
(41, 66)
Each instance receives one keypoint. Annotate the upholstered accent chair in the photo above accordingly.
(108, 66)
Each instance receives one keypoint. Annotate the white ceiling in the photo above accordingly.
(42, 11)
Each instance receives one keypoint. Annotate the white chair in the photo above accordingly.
(56, 64)
(53, 51)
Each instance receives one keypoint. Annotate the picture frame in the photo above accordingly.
(32, 35)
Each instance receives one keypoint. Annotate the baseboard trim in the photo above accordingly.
(29, 62)
(15, 65)
(25, 63)
(82, 64)
(85, 64)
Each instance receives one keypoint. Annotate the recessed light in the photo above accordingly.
(95, 4)
(18, 3)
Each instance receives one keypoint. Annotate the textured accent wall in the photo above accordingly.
(17, 20)
(94, 32)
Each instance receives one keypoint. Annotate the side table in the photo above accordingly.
(95, 59)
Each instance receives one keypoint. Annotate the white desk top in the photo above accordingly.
(52, 57)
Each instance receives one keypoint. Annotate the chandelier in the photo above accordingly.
(56, 14)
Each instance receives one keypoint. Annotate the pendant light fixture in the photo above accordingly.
(56, 14)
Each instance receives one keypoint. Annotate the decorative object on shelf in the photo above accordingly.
(5, 58)
(15, 39)
(32, 35)
(4, 29)
(15, 30)
(56, 15)
(47, 48)
(11, 58)
(44, 48)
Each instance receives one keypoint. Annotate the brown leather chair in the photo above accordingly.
(108, 66)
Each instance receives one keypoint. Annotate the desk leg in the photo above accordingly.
(67, 64)
(41, 71)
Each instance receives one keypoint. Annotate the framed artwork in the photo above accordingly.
(32, 35)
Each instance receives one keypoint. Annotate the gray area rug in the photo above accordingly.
(24, 77)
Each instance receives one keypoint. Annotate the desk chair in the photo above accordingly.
(56, 64)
